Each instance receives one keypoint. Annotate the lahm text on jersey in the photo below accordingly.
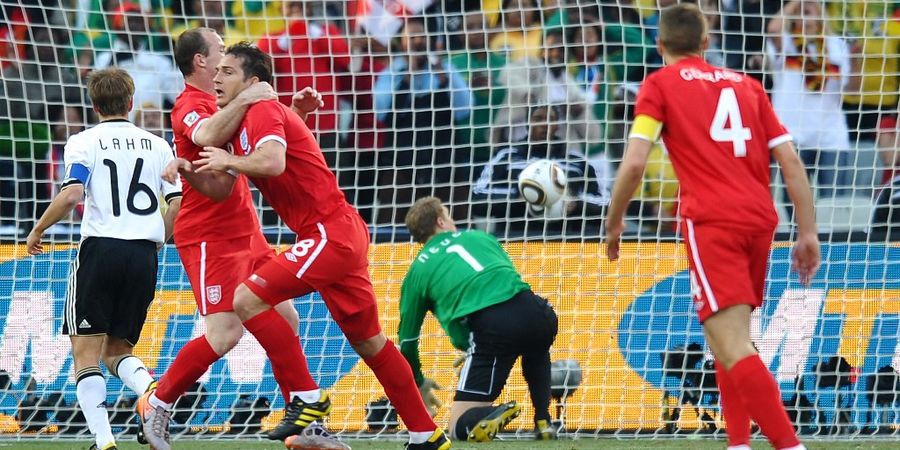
(125, 144)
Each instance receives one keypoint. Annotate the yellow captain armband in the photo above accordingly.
(646, 128)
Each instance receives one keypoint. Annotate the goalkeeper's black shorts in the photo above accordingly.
(525, 326)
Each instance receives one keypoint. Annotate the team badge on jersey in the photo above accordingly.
(245, 141)
(191, 118)
(214, 294)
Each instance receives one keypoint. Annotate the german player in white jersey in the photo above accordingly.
(115, 168)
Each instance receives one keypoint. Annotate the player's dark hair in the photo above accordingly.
(254, 62)
(682, 29)
(190, 43)
(422, 217)
(111, 91)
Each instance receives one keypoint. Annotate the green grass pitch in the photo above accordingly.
(580, 444)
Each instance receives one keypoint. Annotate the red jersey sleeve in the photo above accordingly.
(187, 119)
(775, 131)
(650, 100)
(265, 122)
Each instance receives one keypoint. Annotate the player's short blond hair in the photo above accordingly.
(111, 91)
(682, 29)
(422, 217)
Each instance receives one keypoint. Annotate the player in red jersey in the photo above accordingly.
(216, 259)
(279, 154)
(721, 131)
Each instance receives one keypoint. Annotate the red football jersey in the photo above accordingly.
(306, 192)
(718, 128)
(235, 217)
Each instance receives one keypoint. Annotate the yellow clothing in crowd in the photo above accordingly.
(256, 24)
(876, 28)
(515, 45)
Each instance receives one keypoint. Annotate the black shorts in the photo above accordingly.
(524, 325)
(111, 285)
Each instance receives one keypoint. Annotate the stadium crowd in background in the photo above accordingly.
(420, 105)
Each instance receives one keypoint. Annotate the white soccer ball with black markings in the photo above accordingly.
(542, 183)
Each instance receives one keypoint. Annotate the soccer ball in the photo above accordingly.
(542, 183)
(565, 377)
(555, 211)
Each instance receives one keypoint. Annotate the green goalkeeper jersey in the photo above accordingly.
(454, 275)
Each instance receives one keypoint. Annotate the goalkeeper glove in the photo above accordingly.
(426, 389)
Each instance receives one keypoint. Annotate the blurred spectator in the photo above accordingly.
(496, 191)
(888, 145)
(886, 213)
(625, 48)
(493, 9)
(591, 75)
(33, 94)
(13, 31)
(452, 16)
(258, 18)
(418, 98)
(810, 68)
(206, 13)
(74, 120)
(155, 78)
(650, 21)
(100, 23)
(519, 31)
(744, 31)
(312, 54)
(872, 87)
(714, 54)
(481, 68)
(530, 82)
(151, 118)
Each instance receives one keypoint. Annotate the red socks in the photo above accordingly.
(762, 399)
(283, 349)
(190, 364)
(736, 417)
(396, 377)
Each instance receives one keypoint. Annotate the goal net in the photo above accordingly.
(454, 98)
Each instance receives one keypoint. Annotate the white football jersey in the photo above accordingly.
(119, 165)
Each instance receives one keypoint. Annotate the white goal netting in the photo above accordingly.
(452, 98)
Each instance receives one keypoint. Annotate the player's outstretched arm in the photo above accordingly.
(267, 160)
(629, 177)
(215, 185)
(306, 101)
(221, 126)
(59, 208)
(806, 255)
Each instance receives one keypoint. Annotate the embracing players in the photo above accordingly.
(115, 167)
(217, 258)
(275, 149)
(721, 132)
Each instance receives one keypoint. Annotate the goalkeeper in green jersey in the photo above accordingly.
(468, 282)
